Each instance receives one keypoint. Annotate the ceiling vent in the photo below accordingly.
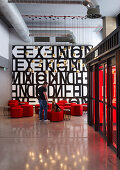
(41, 39)
(93, 12)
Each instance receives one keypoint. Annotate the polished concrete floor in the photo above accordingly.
(28, 144)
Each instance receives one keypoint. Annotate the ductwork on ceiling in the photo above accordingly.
(13, 15)
(54, 33)
(93, 10)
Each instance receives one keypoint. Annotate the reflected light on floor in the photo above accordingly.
(27, 166)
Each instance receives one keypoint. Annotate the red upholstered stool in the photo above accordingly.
(13, 104)
(16, 112)
(49, 106)
(61, 102)
(67, 104)
(37, 107)
(72, 104)
(48, 114)
(13, 101)
(27, 110)
(77, 110)
(23, 103)
(56, 116)
(85, 108)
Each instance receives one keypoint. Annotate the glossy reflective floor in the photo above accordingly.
(27, 143)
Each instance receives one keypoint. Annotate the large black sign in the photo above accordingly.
(61, 66)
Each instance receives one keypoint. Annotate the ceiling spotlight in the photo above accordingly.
(73, 66)
(83, 65)
(77, 71)
(65, 64)
(65, 49)
(65, 61)
(55, 70)
(41, 61)
(40, 65)
(51, 60)
(50, 65)
(79, 61)
(45, 54)
(53, 55)
(61, 54)
(29, 70)
(26, 53)
(36, 47)
(82, 47)
(32, 71)
(33, 61)
(74, 54)
(46, 71)
(50, 48)
(58, 65)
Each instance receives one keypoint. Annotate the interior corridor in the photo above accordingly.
(27, 143)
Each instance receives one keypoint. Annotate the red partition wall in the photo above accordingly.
(113, 86)
(101, 98)
(113, 107)
(93, 97)
(101, 84)
(101, 117)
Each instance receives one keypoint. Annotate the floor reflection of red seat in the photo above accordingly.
(16, 112)
(27, 110)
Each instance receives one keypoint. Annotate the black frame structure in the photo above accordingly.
(107, 54)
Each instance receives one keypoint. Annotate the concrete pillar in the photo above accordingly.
(109, 25)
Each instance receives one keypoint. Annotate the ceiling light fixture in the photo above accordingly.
(26, 53)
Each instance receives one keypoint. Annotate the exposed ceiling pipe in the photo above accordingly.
(93, 9)
(13, 15)
(47, 1)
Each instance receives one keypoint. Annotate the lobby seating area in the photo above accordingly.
(24, 109)
(74, 110)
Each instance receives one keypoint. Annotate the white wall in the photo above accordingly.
(5, 76)
(4, 40)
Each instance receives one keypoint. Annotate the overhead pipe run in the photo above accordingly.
(13, 15)
(92, 12)
(93, 9)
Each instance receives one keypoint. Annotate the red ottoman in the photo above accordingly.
(16, 112)
(27, 110)
(62, 102)
(77, 110)
(14, 104)
(49, 106)
(13, 101)
(48, 114)
(85, 108)
(23, 103)
(56, 116)
(37, 107)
